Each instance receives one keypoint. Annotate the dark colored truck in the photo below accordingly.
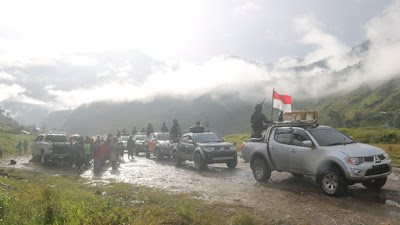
(203, 148)
(331, 157)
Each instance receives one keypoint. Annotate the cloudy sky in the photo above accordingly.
(66, 53)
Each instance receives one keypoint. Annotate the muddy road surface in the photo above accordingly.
(283, 198)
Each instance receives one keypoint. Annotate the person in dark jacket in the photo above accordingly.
(175, 131)
(257, 121)
(130, 145)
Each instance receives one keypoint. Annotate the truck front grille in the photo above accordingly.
(377, 170)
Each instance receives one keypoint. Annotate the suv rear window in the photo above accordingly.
(56, 138)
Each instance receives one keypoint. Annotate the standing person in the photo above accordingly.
(25, 147)
(257, 121)
(113, 152)
(86, 146)
(164, 127)
(96, 152)
(19, 147)
(130, 146)
(175, 131)
(149, 129)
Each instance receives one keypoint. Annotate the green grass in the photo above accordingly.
(32, 198)
(238, 138)
(10, 141)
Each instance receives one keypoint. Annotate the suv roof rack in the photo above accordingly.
(296, 123)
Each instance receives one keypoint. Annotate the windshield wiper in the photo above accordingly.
(335, 144)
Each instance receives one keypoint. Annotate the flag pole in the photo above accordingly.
(272, 110)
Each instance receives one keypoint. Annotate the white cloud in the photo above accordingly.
(247, 7)
(10, 91)
(6, 76)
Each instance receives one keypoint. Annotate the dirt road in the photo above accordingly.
(283, 197)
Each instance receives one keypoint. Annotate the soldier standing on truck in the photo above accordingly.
(175, 131)
(149, 129)
(257, 121)
(164, 127)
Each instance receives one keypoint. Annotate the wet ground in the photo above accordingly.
(283, 197)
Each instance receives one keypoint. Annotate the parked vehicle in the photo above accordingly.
(51, 147)
(203, 148)
(323, 152)
(158, 145)
(124, 141)
(140, 143)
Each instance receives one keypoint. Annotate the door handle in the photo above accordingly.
(293, 150)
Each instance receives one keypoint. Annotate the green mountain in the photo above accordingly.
(363, 107)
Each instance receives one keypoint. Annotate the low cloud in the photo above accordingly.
(4, 76)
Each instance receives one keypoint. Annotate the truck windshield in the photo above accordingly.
(163, 137)
(206, 138)
(328, 136)
(140, 137)
(56, 138)
(124, 138)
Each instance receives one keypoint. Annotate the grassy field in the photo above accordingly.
(31, 198)
(10, 141)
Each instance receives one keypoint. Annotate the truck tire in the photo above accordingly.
(176, 158)
(43, 159)
(375, 184)
(260, 170)
(332, 182)
(232, 164)
(199, 162)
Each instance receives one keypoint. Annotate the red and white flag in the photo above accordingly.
(282, 102)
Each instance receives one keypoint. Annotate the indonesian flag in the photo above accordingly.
(282, 102)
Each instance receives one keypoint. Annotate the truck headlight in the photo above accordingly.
(354, 161)
(386, 155)
(233, 148)
(208, 149)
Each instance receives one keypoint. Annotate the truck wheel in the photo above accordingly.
(332, 182)
(177, 159)
(199, 162)
(260, 170)
(158, 155)
(43, 159)
(375, 184)
(232, 164)
(147, 153)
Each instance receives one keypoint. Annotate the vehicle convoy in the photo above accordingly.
(158, 145)
(323, 152)
(51, 147)
(140, 143)
(203, 148)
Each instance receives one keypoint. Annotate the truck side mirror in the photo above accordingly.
(307, 143)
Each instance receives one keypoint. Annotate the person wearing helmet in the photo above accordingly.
(257, 121)
(175, 131)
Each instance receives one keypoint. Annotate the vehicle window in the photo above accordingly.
(124, 138)
(328, 136)
(140, 137)
(163, 137)
(56, 138)
(284, 136)
(39, 138)
(206, 138)
(299, 137)
(185, 139)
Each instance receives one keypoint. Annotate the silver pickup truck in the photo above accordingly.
(323, 152)
(51, 147)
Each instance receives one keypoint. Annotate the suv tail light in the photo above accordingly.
(242, 146)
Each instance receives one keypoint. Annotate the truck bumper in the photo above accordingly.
(369, 171)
